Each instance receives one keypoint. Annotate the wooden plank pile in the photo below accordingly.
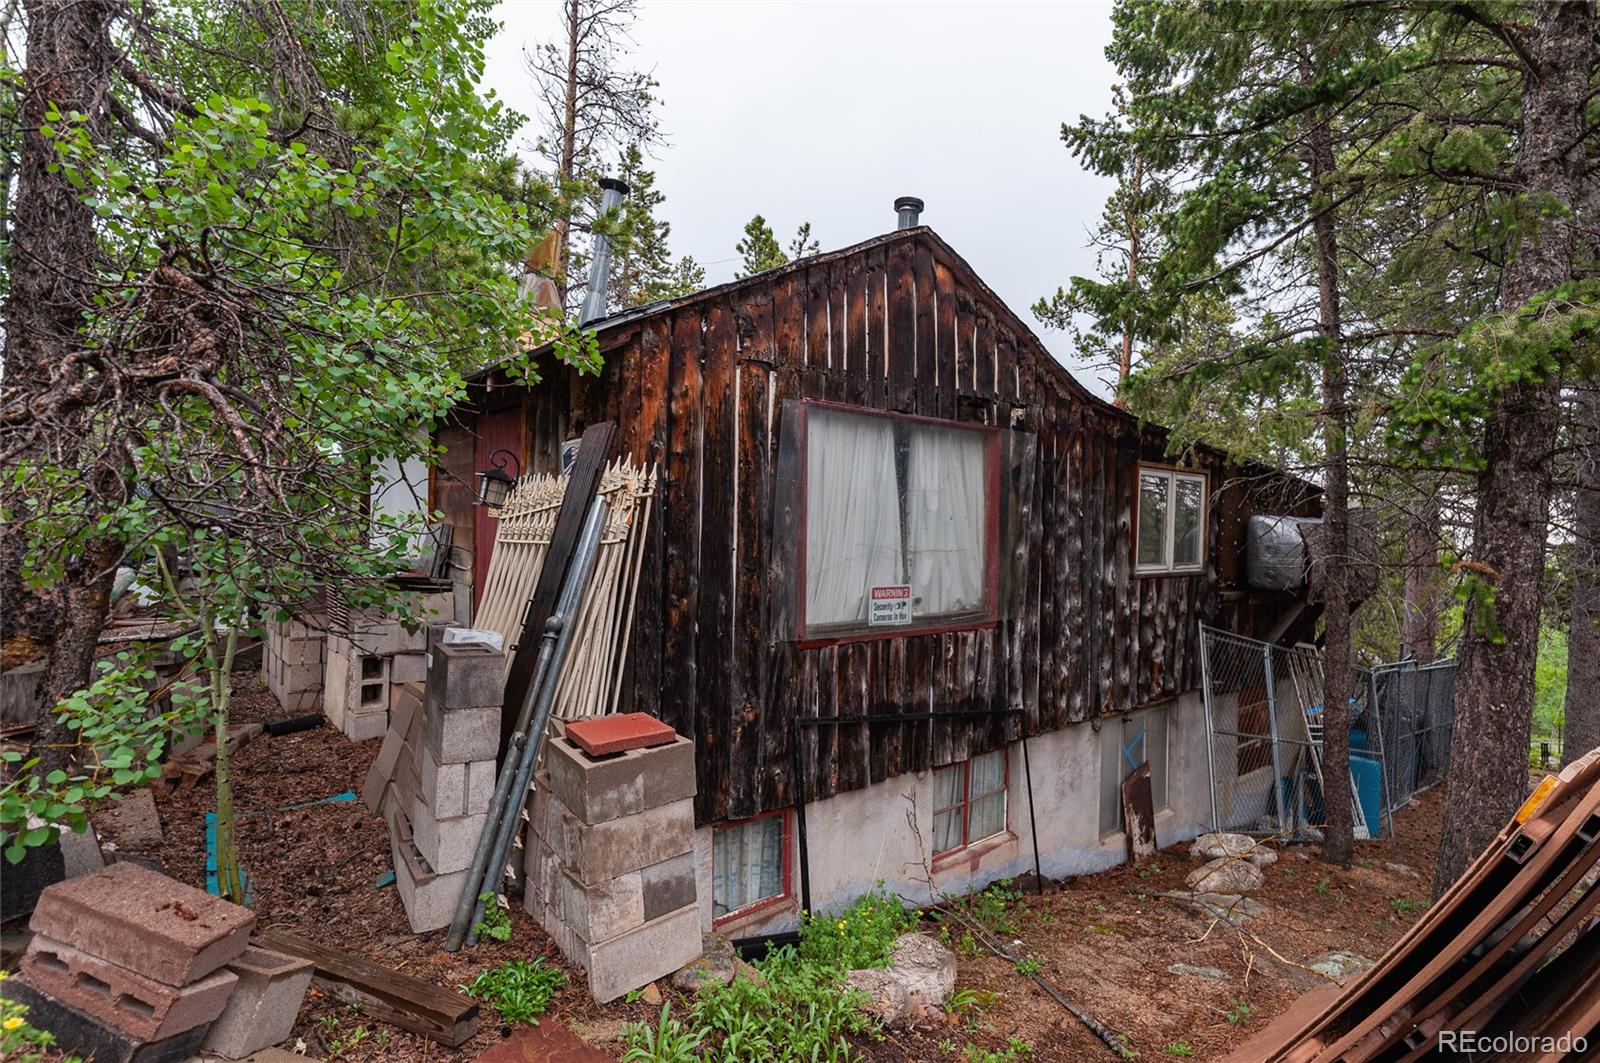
(1508, 958)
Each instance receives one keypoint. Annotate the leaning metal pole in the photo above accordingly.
(567, 611)
(547, 673)
(1211, 727)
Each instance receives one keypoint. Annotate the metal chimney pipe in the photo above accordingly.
(594, 300)
(910, 210)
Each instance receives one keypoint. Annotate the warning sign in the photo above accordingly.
(890, 605)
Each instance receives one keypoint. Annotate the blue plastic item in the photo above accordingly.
(1368, 776)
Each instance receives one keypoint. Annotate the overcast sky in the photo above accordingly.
(826, 112)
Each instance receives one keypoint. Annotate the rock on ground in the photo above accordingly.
(1235, 909)
(715, 966)
(1214, 973)
(1216, 846)
(1226, 874)
(1339, 965)
(919, 979)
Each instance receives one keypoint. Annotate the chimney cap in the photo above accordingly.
(909, 203)
(612, 184)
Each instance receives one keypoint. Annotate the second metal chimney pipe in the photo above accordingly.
(594, 300)
(910, 210)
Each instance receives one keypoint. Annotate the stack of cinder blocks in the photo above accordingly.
(292, 662)
(367, 656)
(128, 964)
(434, 777)
(609, 860)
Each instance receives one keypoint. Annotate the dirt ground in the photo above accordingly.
(1106, 941)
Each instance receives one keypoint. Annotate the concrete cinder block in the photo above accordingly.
(467, 676)
(262, 1009)
(382, 769)
(144, 921)
(428, 897)
(597, 789)
(598, 912)
(455, 736)
(366, 724)
(121, 997)
(630, 960)
(83, 1035)
(446, 843)
(596, 852)
(462, 789)
(668, 885)
(408, 668)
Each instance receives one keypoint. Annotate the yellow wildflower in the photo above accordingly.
(13, 1023)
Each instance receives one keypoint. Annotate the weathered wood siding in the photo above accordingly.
(899, 325)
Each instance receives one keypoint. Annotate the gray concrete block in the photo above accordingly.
(461, 789)
(446, 843)
(365, 724)
(654, 950)
(668, 885)
(623, 784)
(408, 668)
(429, 898)
(466, 676)
(454, 736)
(601, 911)
(383, 768)
(264, 1004)
(596, 852)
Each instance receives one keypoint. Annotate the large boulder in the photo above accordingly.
(1220, 845)
(919, 979)
(1226, 874)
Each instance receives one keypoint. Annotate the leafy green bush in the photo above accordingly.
(519, 990)
(119, 741)
(669, 1041)
(860, 936)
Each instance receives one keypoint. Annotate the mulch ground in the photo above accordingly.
(1105, 941)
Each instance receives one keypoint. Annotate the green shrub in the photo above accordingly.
(519, 990)
(669, 1041)
(862, 935)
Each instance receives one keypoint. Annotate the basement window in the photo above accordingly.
(750, 866)
(1171, 507)
(1125, 742)
(900, 527)
(969, 801)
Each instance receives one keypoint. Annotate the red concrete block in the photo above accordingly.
(604, 735)
(122, 998)
(87, 1037)
(144, 921)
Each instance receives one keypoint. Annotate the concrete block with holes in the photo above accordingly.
(597, 789)
(461, 789)
(85, 1036)
(428, 896)
(266, 1000)
(122, 997)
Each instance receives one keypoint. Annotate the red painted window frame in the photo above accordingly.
(966, 800)
(990, 617)
(786, 872)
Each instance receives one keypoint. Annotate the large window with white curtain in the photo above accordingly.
(900, 522)
(1171, 535)
(749, 864)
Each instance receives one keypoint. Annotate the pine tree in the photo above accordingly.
(642, 268)
(759, 249)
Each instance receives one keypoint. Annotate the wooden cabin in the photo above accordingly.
(884, 392)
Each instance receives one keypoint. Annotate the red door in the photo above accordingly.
(496, 431)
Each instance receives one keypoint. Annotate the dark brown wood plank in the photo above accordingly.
(925, 338)
(901, 319)
(945, 359)
(413, 1005)
(877, 316)
(678, 510)
(650, 447)
(715, 635)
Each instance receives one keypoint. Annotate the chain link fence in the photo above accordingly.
(1264, 721)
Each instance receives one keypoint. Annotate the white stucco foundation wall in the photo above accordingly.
(882, 832)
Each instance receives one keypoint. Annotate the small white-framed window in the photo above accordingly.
(750, 865)
(1171, 532)
(1125, 743)
(969, 801)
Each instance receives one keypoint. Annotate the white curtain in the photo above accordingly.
(748, 864)
(987, 816)
(945, 501)
(947, 803)
(852, 514)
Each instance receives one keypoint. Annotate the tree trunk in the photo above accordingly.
(569, 140)
(1581, 732)
(1419, 631)
(52, 246)
(1335, 561)
(1500, 639)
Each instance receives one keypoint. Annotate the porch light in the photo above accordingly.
(494, 483)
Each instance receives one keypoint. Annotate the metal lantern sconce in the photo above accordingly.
(494, 483)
